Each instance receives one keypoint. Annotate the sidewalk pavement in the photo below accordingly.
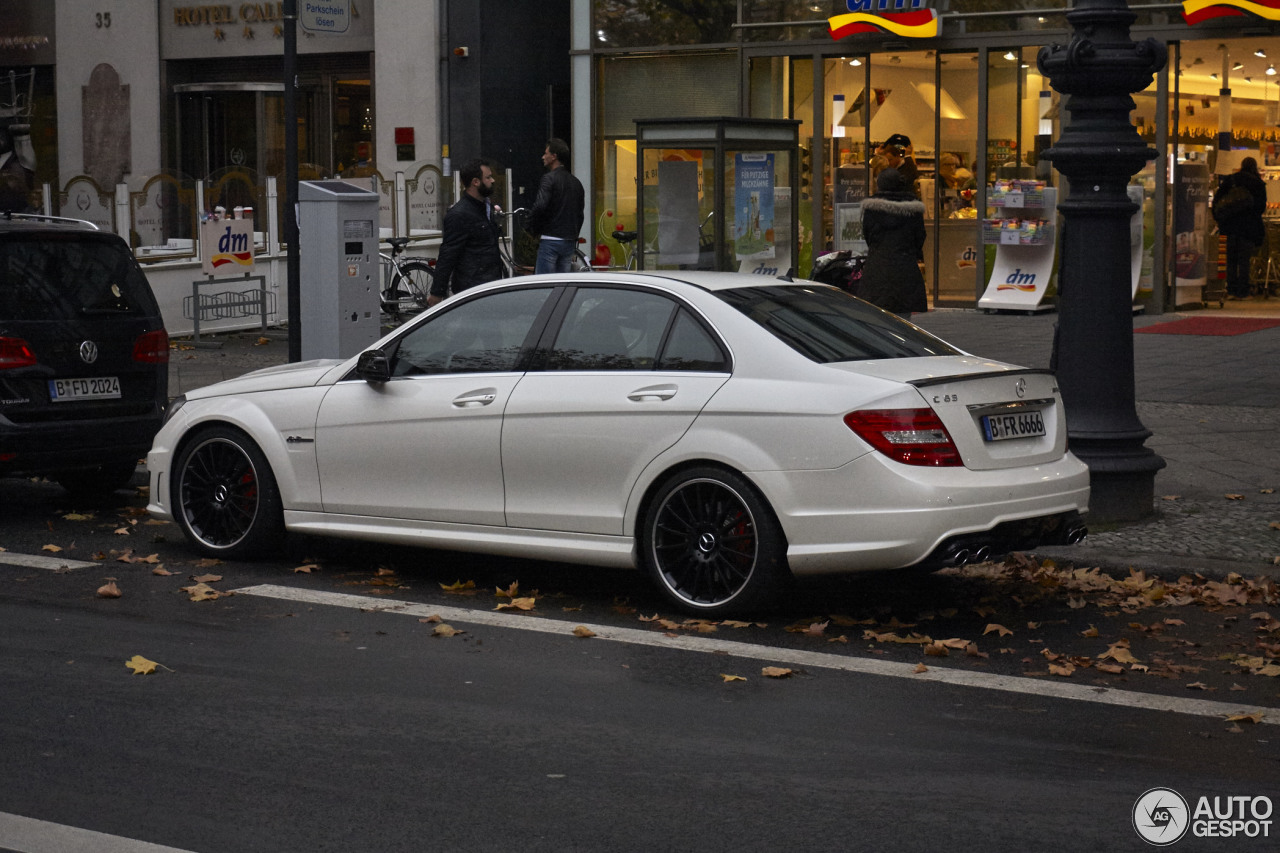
(1210, 402)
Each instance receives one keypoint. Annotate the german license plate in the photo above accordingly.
(96, 388)
(1014, 425)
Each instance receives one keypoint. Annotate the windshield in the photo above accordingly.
(826, 324)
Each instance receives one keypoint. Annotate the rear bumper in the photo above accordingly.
(877, 514)
(73, 445)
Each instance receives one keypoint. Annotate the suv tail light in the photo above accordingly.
(15, 352)
(152, 347)
(909, 436)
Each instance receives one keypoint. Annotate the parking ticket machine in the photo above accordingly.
(338, 244)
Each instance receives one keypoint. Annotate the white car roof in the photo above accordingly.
(698, 278)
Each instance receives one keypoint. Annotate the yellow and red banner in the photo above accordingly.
(1195, 11)
(920, 24)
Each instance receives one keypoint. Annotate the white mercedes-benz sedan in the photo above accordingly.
(721, 431)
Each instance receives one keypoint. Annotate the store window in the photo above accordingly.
(630, 88)
(639, 23)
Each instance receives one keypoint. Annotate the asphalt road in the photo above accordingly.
(321, 710)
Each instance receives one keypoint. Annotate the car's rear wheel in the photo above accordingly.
(99, 481)
(712, 545)
(226, 497)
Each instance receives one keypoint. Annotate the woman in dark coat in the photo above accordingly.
(1244, 231)
(893, 226)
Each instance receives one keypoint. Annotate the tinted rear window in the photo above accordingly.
(55, 277)
(826, 324)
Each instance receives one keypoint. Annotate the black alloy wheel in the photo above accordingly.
(711, 544)
(226, 497)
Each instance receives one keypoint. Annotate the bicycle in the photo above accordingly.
(579, 263)
(406, 283)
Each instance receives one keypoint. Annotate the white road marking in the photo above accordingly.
(37, 561)
(27, 835)
(794, 657)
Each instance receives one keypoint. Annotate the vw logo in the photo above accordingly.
(1021, 388)
(88, 352)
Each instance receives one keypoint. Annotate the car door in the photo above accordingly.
(426, 444)
(627, 373)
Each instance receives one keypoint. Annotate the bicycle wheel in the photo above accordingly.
(412, 285)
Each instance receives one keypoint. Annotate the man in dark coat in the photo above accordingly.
(469, 247)
(893, 226)
(1244, 230)
(557, 212)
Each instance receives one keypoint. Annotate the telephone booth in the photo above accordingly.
(718, 194)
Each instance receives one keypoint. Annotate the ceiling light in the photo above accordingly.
(1214, 75)
(1261, 53)
(1237, 66)
(1010, 56)
(894, 60)
(1198, 61)
(855, 62)
(815, 7)
(1271, 71)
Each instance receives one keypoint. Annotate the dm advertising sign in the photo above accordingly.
(906, 18)
(753, 206)
(227, 246)
(1195, 11)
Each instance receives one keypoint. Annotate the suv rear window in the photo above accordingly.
(826, 324)
(51, 277)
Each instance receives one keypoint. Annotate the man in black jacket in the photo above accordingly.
(469, 248)
(558, 211)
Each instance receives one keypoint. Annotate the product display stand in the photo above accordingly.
(1024, 234)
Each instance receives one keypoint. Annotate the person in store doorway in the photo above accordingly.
(15, 180)
(469, 245)
(904, 158)
(557, 211)
(1239, 219)
(893, 226)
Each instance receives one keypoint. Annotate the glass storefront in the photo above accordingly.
(978, 114)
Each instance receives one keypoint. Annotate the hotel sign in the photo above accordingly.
(906, 18)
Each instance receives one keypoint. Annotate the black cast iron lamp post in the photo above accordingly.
(1098, 152)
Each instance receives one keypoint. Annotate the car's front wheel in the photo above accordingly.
(712, 544)
(226, 497)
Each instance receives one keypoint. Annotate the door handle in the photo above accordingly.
(652, 393)
(473, 399)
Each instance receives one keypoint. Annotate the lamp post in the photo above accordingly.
(1098, 152)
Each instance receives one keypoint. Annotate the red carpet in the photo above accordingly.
(1209, 326)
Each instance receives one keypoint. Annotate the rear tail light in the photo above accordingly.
(152, 347)
(15, 352)
(909, 436)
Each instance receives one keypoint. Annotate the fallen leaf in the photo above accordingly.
(1076, 603)
(1091, 631)
(729, 678)
(460, 587)
(76, 516)
(999, 629)
(161, 571)
(208, 562)
(306, 569)
(140, 665)
(207, 578)
(1063, 670)
(1110, 668)
(1171, 497)
(1234, 497)
(1198, 685)
(775, 672)
(1255, 717)
(1118, 653)
(517, 604)
(444, 629)
(936, 650)
(920, 668)
(262, 341)
(509, 592)
(435, 617)
(203, 592)
(583, 631)
(51, 548)
(109, 590)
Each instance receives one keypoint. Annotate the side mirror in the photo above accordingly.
(373, 366)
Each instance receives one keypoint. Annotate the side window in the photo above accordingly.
(483, 335)
(691, 347)
(611, 329)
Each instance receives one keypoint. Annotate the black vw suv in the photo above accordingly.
(84, 376)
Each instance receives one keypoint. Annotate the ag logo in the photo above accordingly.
(1161, 816)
